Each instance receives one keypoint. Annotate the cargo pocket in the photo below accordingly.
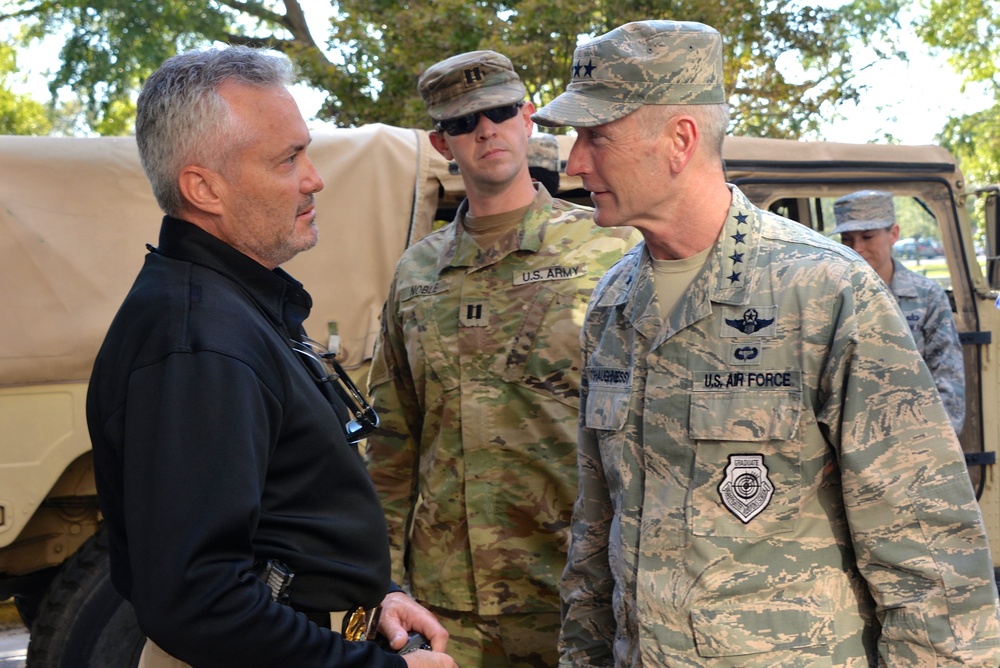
(747, 476)
(763, 635)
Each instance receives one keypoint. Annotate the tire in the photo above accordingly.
(30, 592)
(83, 622)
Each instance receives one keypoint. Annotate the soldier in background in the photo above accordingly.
(543, 161)
(476, 378)
(866, 223)
(767, 474)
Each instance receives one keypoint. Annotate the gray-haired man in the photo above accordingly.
(767, 476)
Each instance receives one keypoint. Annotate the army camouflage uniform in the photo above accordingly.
(928, 313)
(476, 378)
(767, 477)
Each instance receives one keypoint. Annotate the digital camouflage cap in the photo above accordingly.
(863, 210)
(469, 82)
(543, 151)
(645, 62)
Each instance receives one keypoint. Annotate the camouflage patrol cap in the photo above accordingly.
(863, 210)
(543, 151)
(469, 82)
(645, 62)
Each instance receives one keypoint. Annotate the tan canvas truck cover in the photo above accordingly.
(75, 216)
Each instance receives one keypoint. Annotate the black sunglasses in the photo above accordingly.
(463, 125)
(329, 371)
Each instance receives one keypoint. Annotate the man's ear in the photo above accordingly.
(440, 143)
(200, 189)
(684, 135)
(527, 109)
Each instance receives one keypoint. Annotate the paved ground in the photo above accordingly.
(13, 638)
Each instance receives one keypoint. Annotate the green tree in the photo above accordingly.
(970, 31)
(376, 49)
(19, 114)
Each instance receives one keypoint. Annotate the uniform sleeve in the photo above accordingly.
(588, 629)
(200, 428)
(943, 355)
(917, 531)
(392, 452)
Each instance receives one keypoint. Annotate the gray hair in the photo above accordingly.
(182, 119)
(713, 121)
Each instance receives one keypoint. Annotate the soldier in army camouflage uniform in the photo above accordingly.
(866, 223)
(476, 377)
(767, 475)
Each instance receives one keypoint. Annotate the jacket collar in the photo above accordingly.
(281, 297)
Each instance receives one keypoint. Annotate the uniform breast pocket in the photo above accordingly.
(545, 352)
(431, 338)
(747, 477)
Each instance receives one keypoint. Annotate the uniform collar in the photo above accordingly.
(903, 283)
(462, 250)
(727, 274)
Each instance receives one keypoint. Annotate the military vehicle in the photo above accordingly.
(75, 215)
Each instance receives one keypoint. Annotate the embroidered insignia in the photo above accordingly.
(589, 67)
(473, 76)
(549, 274)
(734, 277)
(736, 257)
(752, 322)
(408, 292)
(474, 313)
(745, 488)
(741, 218)
(746, 355)
(740, 237)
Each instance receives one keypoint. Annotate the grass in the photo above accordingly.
(933, 268)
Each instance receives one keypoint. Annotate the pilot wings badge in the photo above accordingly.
(745, 488)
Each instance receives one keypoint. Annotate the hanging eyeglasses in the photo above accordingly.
(326, 369)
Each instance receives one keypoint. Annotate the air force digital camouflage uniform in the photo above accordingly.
(476, 377)
(767, 477)
(924, 303)
(928, 313)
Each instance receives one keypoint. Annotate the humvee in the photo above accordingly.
(75, 215)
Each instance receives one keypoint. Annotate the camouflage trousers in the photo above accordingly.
(525, 640)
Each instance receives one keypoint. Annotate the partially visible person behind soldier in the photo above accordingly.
(543, 161)
(767, 474)
(866, 223)
(476, 378)
(243, 525)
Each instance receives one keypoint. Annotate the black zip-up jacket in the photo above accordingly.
(215, 446)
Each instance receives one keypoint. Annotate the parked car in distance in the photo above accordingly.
(916, 248)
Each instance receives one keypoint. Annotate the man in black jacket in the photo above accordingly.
(219, 437)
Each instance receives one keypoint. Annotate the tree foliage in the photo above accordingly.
(19, 114)
(970, 31)
(787, 65)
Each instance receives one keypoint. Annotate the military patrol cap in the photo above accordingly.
(469, 82)
(645, 62)
(863, 210)
(543, 151)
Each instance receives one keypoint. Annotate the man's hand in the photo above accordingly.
(424, 659)
(400, 615)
